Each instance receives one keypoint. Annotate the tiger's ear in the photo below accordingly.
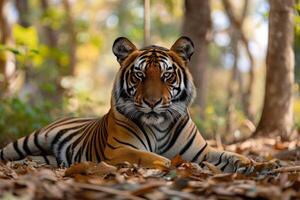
(184, 47)
(122, 47)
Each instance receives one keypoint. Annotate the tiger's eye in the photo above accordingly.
(139, 74)
(167, 75)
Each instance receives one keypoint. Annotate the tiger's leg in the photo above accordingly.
(141, 157)
(229, 161)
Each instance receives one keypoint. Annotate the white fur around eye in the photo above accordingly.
(167, 75)
(139, 74)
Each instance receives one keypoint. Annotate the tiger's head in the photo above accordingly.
(154, 83)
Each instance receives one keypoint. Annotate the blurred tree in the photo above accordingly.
(297, 42)
(54, 58)
(236, 82)
(197, 26)
(50, 33)
(146, 22)
(72, 37)
(7, 58)
(23, 10)
(233, 84)
(277, 114)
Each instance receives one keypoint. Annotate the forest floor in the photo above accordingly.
(182, 181)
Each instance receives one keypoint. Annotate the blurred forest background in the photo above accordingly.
(56, 60)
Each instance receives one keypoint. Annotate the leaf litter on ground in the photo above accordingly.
(183, 180)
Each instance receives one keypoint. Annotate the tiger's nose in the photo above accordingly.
(152, 102)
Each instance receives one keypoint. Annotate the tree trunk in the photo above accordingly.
(237, 26)
(51, 35)
(7, 58)
(52, 42)
(277, 114)
(146, 22)
(72, 38)
(23, 11)
(197, 26)
(249, 93)
(233, 85)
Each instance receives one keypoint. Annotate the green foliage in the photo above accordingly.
(213, 123)
(18, 118)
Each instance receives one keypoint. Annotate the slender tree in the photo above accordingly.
(23, 11)
(7, 59)
(277, 114)
(72, 37)
(146, 22)
(236, 82)
(239, 35)
(50, 33)
(51, 39)
(197, 25)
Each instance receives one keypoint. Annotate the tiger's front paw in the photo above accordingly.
(242, 164)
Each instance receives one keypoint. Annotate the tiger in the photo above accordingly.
(148, 122)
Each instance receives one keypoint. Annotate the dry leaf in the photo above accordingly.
(177, 160)
(183, 180)
(90, 168)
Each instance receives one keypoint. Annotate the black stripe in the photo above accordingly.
(222, 168)
(58, 161)
(81, 137)
(125, 143)
(97, 143)
(78, 154)
(64, 141)
(46, 159)
(111, 146)
(36, 143)
(20, 154)
(77, 157)
(189, 143)
(176, 134)
(146, 136)
(1, 155)
(58, 135)
(88, 151)
(73, 120)
(68, 155)
(25, 146)
(235, 165)
(94, 141)
(89, 138)
(54, 124)
(199, 152)
(131, 131)
(220, 159)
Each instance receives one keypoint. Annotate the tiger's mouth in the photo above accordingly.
(152, 118)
